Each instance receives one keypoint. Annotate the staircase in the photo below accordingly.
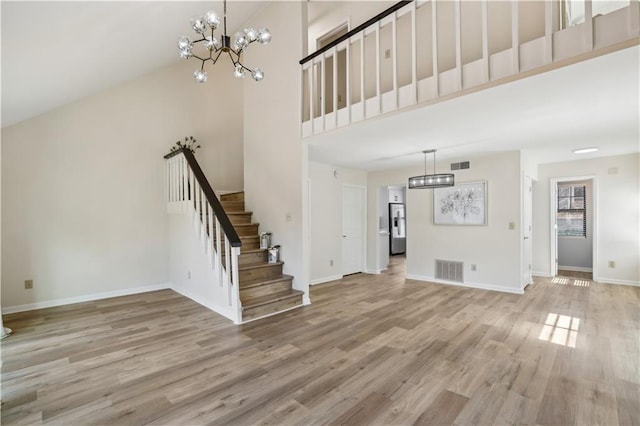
(264, 289)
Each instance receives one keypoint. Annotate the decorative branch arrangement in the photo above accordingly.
(189, 143)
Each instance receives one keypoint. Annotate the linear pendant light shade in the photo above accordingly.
(431, 181)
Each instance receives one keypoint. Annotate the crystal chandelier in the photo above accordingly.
(205, 26)
(431, 181)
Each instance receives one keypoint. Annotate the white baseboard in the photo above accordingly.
(373, 271)
(85, 298)
(541, 274)
(467, 284)
(618, 282)
(325, 279)
(575, 268)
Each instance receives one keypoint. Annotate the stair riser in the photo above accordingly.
(249, 258)
(271, 308)
(238, 196)
(247, 231)
(233, 206)
(247, 244)
(267, 271)
(240, 218)
(265, 289)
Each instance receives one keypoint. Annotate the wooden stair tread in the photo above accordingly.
(270, 298)
(264, 281)
(258, 265)
(235, 225)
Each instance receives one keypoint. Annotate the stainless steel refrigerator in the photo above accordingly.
(397, 229)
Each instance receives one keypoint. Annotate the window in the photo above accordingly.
(572, 213)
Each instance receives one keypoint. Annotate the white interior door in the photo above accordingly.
(352, 229)
(526, 231)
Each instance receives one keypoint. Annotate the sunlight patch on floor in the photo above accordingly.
(560, 329)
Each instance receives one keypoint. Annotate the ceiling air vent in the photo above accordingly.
(459, 166)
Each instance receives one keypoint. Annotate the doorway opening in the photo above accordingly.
(326, 99)
(392, 226)
(574, 227)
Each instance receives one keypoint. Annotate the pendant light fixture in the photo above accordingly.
(431, 181)
(205, 26)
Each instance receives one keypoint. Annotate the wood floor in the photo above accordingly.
(370, 350)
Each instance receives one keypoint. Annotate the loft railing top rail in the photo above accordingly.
(210, 195)
(356, 30)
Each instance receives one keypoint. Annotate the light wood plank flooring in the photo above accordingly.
(370, 350)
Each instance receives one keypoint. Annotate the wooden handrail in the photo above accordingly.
(357, 29)
(210, 195)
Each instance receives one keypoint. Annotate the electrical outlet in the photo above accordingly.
(287, 217)
(189, 275)
(612, 264)
(512, 225)
(387, 53)
(28, 284)
(473, 267)
(331, 262)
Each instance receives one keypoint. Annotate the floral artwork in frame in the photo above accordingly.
(462, 204)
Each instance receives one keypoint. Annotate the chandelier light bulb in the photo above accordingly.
(264, 36)
(251, 34)
(198, 24)
(257, 74)
(185, 53)
(239, 71)
(241, 40)
(212, 19)
(211, 43)
(200, 75)
(184, 43)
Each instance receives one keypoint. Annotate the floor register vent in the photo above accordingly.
(449, 270)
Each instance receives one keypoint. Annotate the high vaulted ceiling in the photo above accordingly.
(55, 52)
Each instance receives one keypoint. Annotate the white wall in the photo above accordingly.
(190, 269)
(275, 158)
(325, 211)
(617, 214)
(83, 208)
(494, 248)
(576, 253)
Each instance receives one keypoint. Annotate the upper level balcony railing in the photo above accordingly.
(421, 52)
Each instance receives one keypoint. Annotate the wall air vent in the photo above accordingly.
(449, 270)
(460, 166)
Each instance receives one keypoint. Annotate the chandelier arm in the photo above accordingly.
(216, 59)
(198, 57)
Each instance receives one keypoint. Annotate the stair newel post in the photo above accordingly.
(235, 284)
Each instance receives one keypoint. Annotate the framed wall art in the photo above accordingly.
(462, 204)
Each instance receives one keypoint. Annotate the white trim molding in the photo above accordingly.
(575, 268)
(617, 282)
(85, 298)
(480, 286)
(325, 279)
(541, 274)
(374, 271)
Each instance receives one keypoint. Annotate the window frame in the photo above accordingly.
(571, 198)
